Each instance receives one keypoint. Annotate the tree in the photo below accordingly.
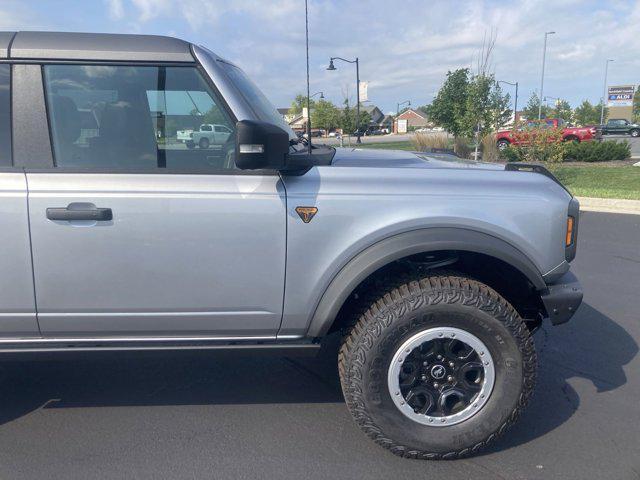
(299, 103)
(347, 121)
(530, 111)
(325, 115)
(449, 107)
(586, 113)
(563, 110)
(636, 106)
(487, 107)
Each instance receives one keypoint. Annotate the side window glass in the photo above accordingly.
(5, 114)
(135, 118)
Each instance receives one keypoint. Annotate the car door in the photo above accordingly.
(17, 300)
(134, 235)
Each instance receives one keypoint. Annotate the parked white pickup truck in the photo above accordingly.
(184, 136)
(209, 134)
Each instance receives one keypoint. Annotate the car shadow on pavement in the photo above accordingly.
(591, 346)
(581, 348)
(205, 377)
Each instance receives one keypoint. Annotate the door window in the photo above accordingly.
(105, 117)
(5, 114)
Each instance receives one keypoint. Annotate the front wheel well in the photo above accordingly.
(504, 278)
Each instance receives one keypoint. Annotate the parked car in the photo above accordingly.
(374, 132)
(208, 135)
(620, 126)
(522, 135)
(120, 243)
(422, 130)
(334, 134)
(184, 136)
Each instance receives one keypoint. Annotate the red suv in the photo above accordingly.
(522, 134)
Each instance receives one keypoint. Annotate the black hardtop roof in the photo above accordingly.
(93, 47)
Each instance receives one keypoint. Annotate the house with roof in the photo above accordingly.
(413, 118)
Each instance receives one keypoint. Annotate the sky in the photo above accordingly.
(405, 47)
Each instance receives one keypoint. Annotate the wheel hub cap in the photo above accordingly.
(441, 376)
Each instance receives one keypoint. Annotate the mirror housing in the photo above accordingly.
(261, 145)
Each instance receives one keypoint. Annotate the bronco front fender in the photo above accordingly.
(410, 243)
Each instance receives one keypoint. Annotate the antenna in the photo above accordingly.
(306, 23)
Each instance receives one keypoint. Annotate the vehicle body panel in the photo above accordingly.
(17, 301)
(184, 254)
(361, 206)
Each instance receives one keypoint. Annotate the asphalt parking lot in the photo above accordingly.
(204, 415)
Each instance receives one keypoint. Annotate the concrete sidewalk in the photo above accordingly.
(610, 205)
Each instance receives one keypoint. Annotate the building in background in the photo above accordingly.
(410, 119)
(620, 101)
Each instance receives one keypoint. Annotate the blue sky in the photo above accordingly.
(405, 47)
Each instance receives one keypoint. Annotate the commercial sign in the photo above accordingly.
(620, 96)
(402, 125)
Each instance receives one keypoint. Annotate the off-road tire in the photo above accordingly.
(407, 306)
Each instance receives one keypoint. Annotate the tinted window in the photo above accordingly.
(122, 118)
(5, 114)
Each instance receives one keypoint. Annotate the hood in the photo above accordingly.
(365, 157)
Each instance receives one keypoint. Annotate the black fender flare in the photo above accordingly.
(410, 243)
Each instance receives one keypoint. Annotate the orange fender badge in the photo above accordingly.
(306, 213)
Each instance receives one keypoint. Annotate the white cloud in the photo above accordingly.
(406, 48)
(116, 9)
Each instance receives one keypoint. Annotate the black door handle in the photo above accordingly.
(95, 214)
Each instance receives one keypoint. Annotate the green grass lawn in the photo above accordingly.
(600, 180)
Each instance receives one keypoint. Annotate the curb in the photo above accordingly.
(609, 205)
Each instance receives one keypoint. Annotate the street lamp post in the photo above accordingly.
(515, 103)
(309, 115)
(408, 102)
(332, 67)
(544, 57)
(604, 88)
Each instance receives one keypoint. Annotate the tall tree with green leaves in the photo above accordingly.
(586, 113)
(636, 106)
(299, 103)
(563, 110)
(325, 115)
(530, 111)
(449, 107)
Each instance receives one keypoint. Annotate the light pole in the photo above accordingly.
(515, 103)
(544, 57)
(332, 67)
(309, 115)
(604, 88)
(408, 102)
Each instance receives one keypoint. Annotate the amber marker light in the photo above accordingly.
(569, 238)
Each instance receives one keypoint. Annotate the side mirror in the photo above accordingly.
(260, 145)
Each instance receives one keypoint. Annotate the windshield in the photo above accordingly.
(262, 107)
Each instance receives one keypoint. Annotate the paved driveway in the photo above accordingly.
(189, 415)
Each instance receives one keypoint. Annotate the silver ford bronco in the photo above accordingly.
(115, 235)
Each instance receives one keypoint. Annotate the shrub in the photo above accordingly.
(490, 152)
(427, 141)
(510, 154)
(539, 144)
(606, 151)
(461, 147)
